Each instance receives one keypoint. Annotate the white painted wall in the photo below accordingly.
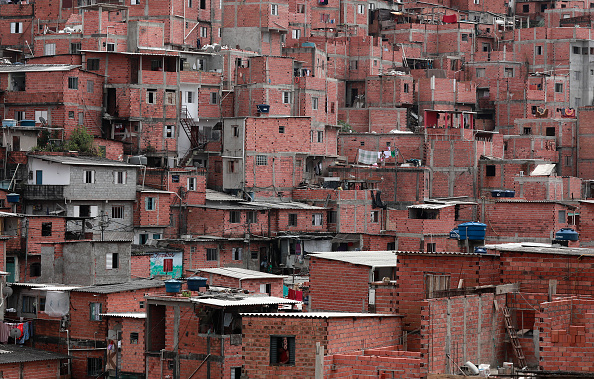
(53, 173)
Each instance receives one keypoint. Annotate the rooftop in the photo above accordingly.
(239, 273)
(121, 287)
(36, 67)
(365, 258)
(82, 161)
(319, 315)
(541, 248)
(19, 353)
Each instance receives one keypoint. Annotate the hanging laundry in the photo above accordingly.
(387, 154)
(367, 157)
(4, 332)
(568, 113)
(450, 19)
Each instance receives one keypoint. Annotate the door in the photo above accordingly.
(39, 177)
(16, 143)
(11, 268)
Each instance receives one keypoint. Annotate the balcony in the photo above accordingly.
(43, 192)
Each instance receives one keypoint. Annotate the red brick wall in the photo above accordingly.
(32, 370)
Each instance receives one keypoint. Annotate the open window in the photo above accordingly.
(282, 350)
(436, 283)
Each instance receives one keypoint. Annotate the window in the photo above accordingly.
(169, 131)
(568, 160)
(480, 72)
(577, 102)
(170, 97)
(320, 136)
(75, 48)
(374, 216)
(360, 8)
(72, 83)
(251, 217)
(550, 131)
(274, 9)
(143, 239)
(112, 261)
(508, 73)
(431, 248)
(235, 373)
(261, 160)
(39, 115)
(577, 75)
(353, 65)
(371, 6)
(133, 338)
(134, 2)
(70, 114)
(477, 2)
(49, 49)
(212, 255)
(538, 50)
(292, 219)
(316, 219)
(558, 87)
(562, 219)
(149, 203)
(490, 170)
(235, 130)
(236, 253)
(119, 177)
(29, 304)
(300, 8)
(234, 217)
(191, 184)
(314, 103)
(94, 366)
(16, 27)
(576, 50)
(95, 312)
(88, 176)
(296, 33)
(156, 65)
(231, 167)
(214, 97)
(168, 265)
(35, 269)
(464, 37)
(406, 88)
(117, 211)
(46, 229)
(526, 8)
(190, 97)
(332, 217)
(19, 115)
(90, 86)
(111, 46)
(527, 130)
(189, 5)
(282, 350)
(151, 96)
(286, 97)
(281, 128)
(203, 32)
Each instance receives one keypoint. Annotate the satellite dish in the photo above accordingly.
(15, 333)
(209, 49)
(88, 224)
(217, 47)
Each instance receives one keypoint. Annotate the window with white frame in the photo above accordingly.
(374, 216)
(16, 27)
(203, 32)
(151, 96)
(190, 97)
(261, 160)
(170, 97)
(316, 219)
(320, 136)
(112, 261)
(220, 32)
(49, 49)
(119, 177)
(361, 8)
(88, 176)
(39, 115)
(236, 253)
(212, 254)
(296, 33)
(117, 211)
(169, 131)
(314, 103)
(371, 6)
(274, 9)
(111, 46)
(134, 2)
(191, 184)
(286, 97)
(150, 203)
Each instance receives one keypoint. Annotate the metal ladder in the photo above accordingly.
(513, 336)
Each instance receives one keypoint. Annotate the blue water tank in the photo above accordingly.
(497, 193)
(480, 250)
(263, 108)
(472, 231)
(173, 286)
(9, 122)
(308, 44)
(455, 233)
(13, 197)
(27, 122)
(509, 193)
(567, 234)
(195, 282)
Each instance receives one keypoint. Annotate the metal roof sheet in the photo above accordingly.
(364, 258)
(240, 273)
(283, 205)
(138, 315)
(82, 161)
(545, 169)
(19, 353)
(56, 288)
(249, 300)
(541, 248)
(319, 315)
(120, 287)
(37, 67)
(212, 195)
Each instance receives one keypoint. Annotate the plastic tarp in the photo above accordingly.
(57, 303)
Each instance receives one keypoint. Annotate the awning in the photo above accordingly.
(343, 237)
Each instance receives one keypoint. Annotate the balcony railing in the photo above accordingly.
(43, 192)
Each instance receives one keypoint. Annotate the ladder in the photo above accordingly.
(189, 125)
(511, 331)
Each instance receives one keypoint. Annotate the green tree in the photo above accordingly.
(80, 140)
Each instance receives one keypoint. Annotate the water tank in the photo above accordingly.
(509, 193)
(497, 193)
(455, 233)
(195, 282)
(567, 234)
(27, 122)
(480, 250)
(472, 231)
(263, 108)
(9, 122)
(173, 286)
(13, 197)
(138, 160)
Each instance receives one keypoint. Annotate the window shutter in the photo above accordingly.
(94, 211)
(12, 27)
(76, 211)
(167, 265)
(109, 260)
(262, 288)
(239, 251)
(273, 350)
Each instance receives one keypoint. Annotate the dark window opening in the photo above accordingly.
(46, 229)
(35, 269)
(550, 131)
(94, 366)
(491, 170)
(282, 350)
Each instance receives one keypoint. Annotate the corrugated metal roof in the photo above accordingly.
(249, 300)
(120, 287)
(138, 315)
(364, 258)
(37, 67)
(283, 205)
(541, 248)
(56, 288)
(212, 195)
(436, 253)
(20, 353)
(430, 206)
(319, 315)
(544, 169)
(240, 273)
(82, 161)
